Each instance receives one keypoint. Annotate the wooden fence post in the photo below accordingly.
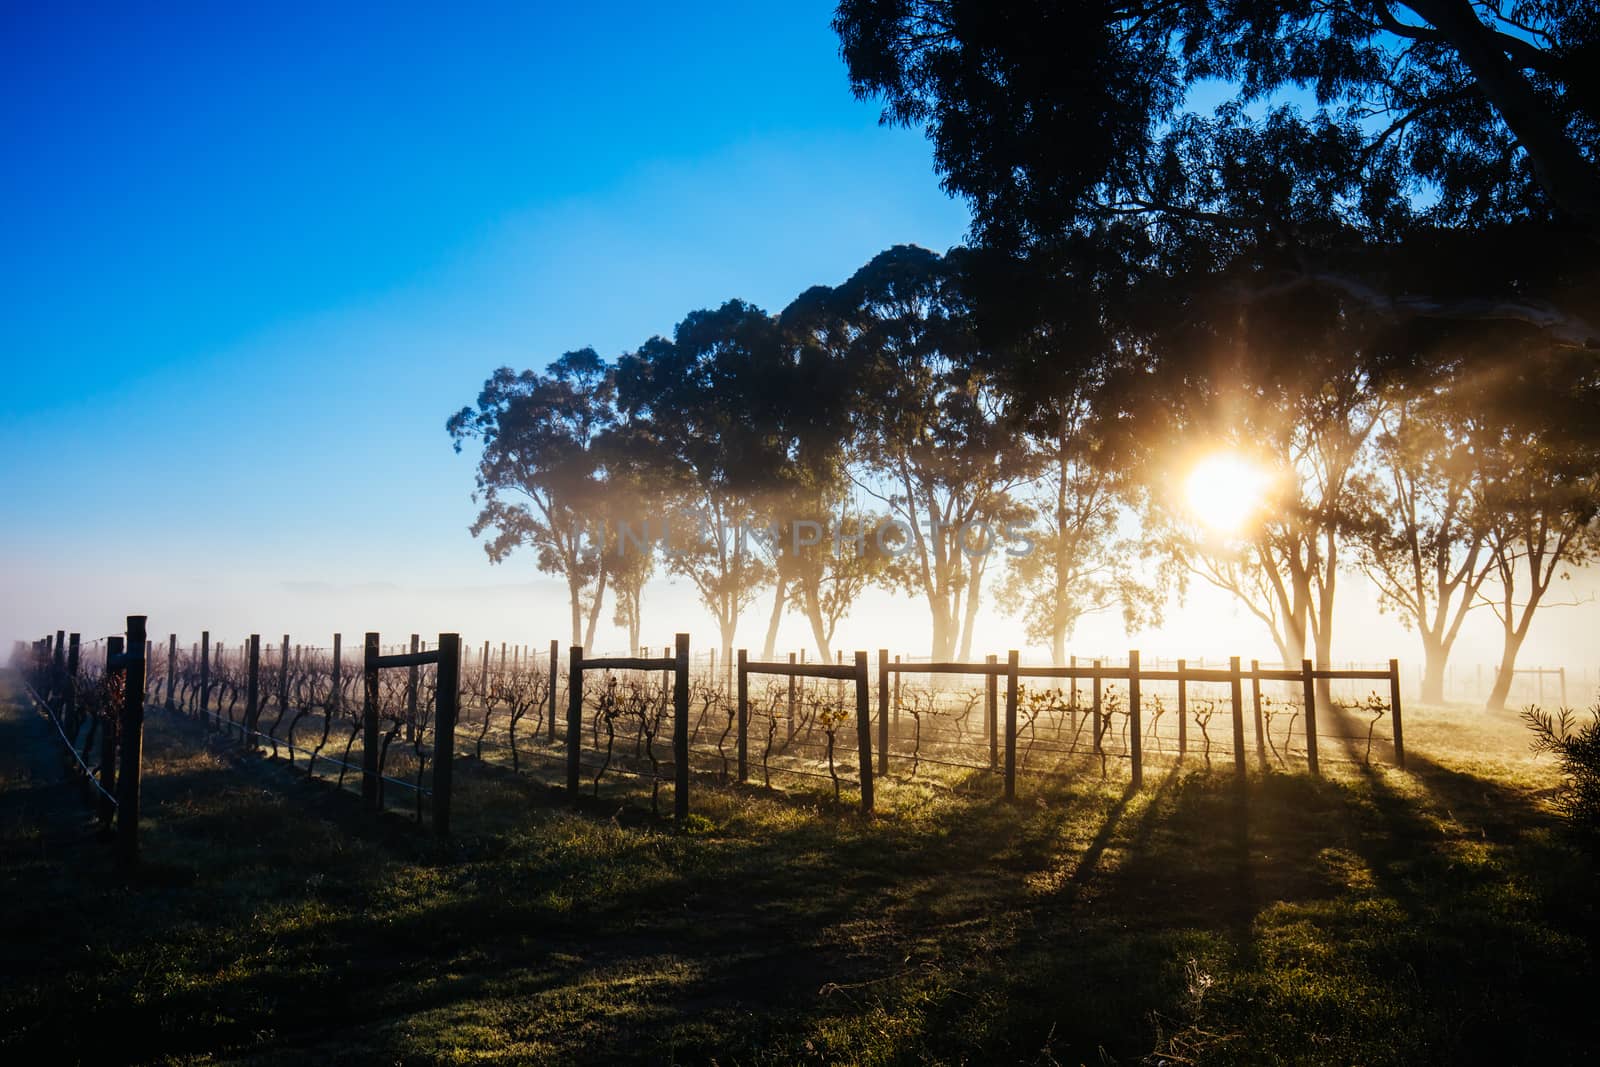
(1237, 684)
(446, 706)
(1072, 696)
(283, 692)
(252, 704)
(335, 699)
(864, 730)
(883, 711)
(71, 683)
(1183, 711)
(1394, 707)
(58, 671)
(680, 729)
(555, 662)
(991, 711)
(1095, 697)
(743, 697)
(1011, 724)
(369, 724)
(574, 717)
(205, 677)
(894, 723)
(413, 677)
(789, 734)
(666, 676)
(1135, 721)
(1255, 698)
(172, 663)
(130, 740)
(838, 661)
(1308, 694)
(108, 743)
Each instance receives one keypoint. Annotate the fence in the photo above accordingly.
(776, 728)
(106, 694)
(446, 658)
(649, 711)
(1098, 716)
(794, 671)
(670, 718)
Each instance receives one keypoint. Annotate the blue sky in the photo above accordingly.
(256, 255)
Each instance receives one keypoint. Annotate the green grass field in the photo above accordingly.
(1375, 916)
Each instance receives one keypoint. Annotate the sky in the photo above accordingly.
(255, 255)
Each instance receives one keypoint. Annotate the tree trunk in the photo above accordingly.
(575, 598)
(728, 628)
(1506, 674)
(1434, 657)
(594, 610)
(943, 639)
(811, 603)
(779, 599)
(819, 632)
(1325, 662)
(969, 623)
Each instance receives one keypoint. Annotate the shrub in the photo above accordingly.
(1577, 747)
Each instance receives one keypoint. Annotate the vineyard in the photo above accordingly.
(1070, 457)
(379, 722)
(771, 925)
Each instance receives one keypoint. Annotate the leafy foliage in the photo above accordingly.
(1046, 116)
(540, 476)
(1576, 747)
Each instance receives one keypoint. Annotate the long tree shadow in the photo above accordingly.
(1266, 882)
(1072, 922)
(762, 918)
(1464, 896)
(1084, 870)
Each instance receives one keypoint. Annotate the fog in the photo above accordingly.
(507, 605)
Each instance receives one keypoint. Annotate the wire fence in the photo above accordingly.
(374, 719)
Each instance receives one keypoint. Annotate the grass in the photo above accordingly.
(1374, 916)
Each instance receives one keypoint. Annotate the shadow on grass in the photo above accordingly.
(1494, 913)
(1282, 918)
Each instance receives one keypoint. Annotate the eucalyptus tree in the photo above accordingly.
(831, 552)
(630, 512)
(1066, 376)
(1424, 543)
(835, 573)
(929, 440)
(1483, 482)
(1293, 390)
(1370, 165)
(539, 479)
(710, 397)
(1541, 490)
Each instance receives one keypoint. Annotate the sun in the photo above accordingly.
(1225, 491)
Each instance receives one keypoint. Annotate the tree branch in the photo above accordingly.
(1565, 329)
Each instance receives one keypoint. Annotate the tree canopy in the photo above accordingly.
(1342, 130)
(1352, 243)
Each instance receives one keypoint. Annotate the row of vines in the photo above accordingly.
(308, 709)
